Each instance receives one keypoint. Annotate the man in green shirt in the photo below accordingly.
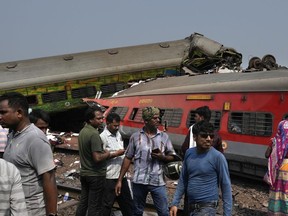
(93, 164)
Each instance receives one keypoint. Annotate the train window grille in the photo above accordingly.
(215, 119)
(87, 91)
(251, 123)
(121, 111)
(32, 99)
(112, 87)
(136, 115)
(54, 96)
(171, 116)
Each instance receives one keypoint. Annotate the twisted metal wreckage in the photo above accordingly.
(206, 55)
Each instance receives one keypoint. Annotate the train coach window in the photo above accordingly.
(121, 111)
(215, 119)
(32, 99)
(87, 91)
(54, 96)
(136, 115)
(285, 116)
(250, 123)
(112, 87)
(172, 116)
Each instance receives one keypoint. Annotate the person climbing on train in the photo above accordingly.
(277, 174)
(204, 170)
(201, 113)
(113, 142)
(150, 148)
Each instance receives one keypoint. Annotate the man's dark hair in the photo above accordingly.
(90, 113)
(39, 114)
(202, 126)
(112, 116)
(205, 112)
(16, 101)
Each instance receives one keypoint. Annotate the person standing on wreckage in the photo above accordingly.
(150, 148)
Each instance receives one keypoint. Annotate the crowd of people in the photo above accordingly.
(27, 170)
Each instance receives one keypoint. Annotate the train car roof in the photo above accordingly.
(262, 81)
(92, 64)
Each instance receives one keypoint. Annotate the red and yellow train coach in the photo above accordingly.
(246, 109)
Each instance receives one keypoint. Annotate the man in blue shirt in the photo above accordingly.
(204, 169)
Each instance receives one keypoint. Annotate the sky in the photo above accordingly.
(36, 28)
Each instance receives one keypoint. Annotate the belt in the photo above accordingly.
(193, 206)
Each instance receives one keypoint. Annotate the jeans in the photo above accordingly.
(91, 195)
(124, 199)
(159, 197)
(204, 211)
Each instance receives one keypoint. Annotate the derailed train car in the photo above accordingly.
(246, 109)
(57, 83)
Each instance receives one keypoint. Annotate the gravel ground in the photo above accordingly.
(250, 197)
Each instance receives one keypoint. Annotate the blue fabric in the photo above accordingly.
(200, 177)
(159, 197)
(205, 211)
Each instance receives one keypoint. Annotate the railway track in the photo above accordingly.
(73, 186)
(74, 195)
(249, 196)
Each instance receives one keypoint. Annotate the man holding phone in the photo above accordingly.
(150, 148)
(112, 141)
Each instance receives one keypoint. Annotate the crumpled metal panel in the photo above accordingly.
(206, 55)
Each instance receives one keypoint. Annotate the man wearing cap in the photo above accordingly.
(150, 148)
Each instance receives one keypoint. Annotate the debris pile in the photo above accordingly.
(206, 55)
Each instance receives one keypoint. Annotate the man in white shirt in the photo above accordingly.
(201, 113)
(3, 140)
(11, 191)
(113, 142)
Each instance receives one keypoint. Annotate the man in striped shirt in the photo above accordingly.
(3, 140)
(12, 199)
(151, 149)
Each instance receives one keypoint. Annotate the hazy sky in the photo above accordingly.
(35, 28)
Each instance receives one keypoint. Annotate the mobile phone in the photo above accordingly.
(157, 150)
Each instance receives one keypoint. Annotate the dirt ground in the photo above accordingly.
(250, 197)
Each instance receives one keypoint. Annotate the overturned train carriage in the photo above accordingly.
(57, 84)
(246, 109)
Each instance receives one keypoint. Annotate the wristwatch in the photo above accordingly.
(52, 214)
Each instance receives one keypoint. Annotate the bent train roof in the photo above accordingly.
(92, 64)
(264, 81)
